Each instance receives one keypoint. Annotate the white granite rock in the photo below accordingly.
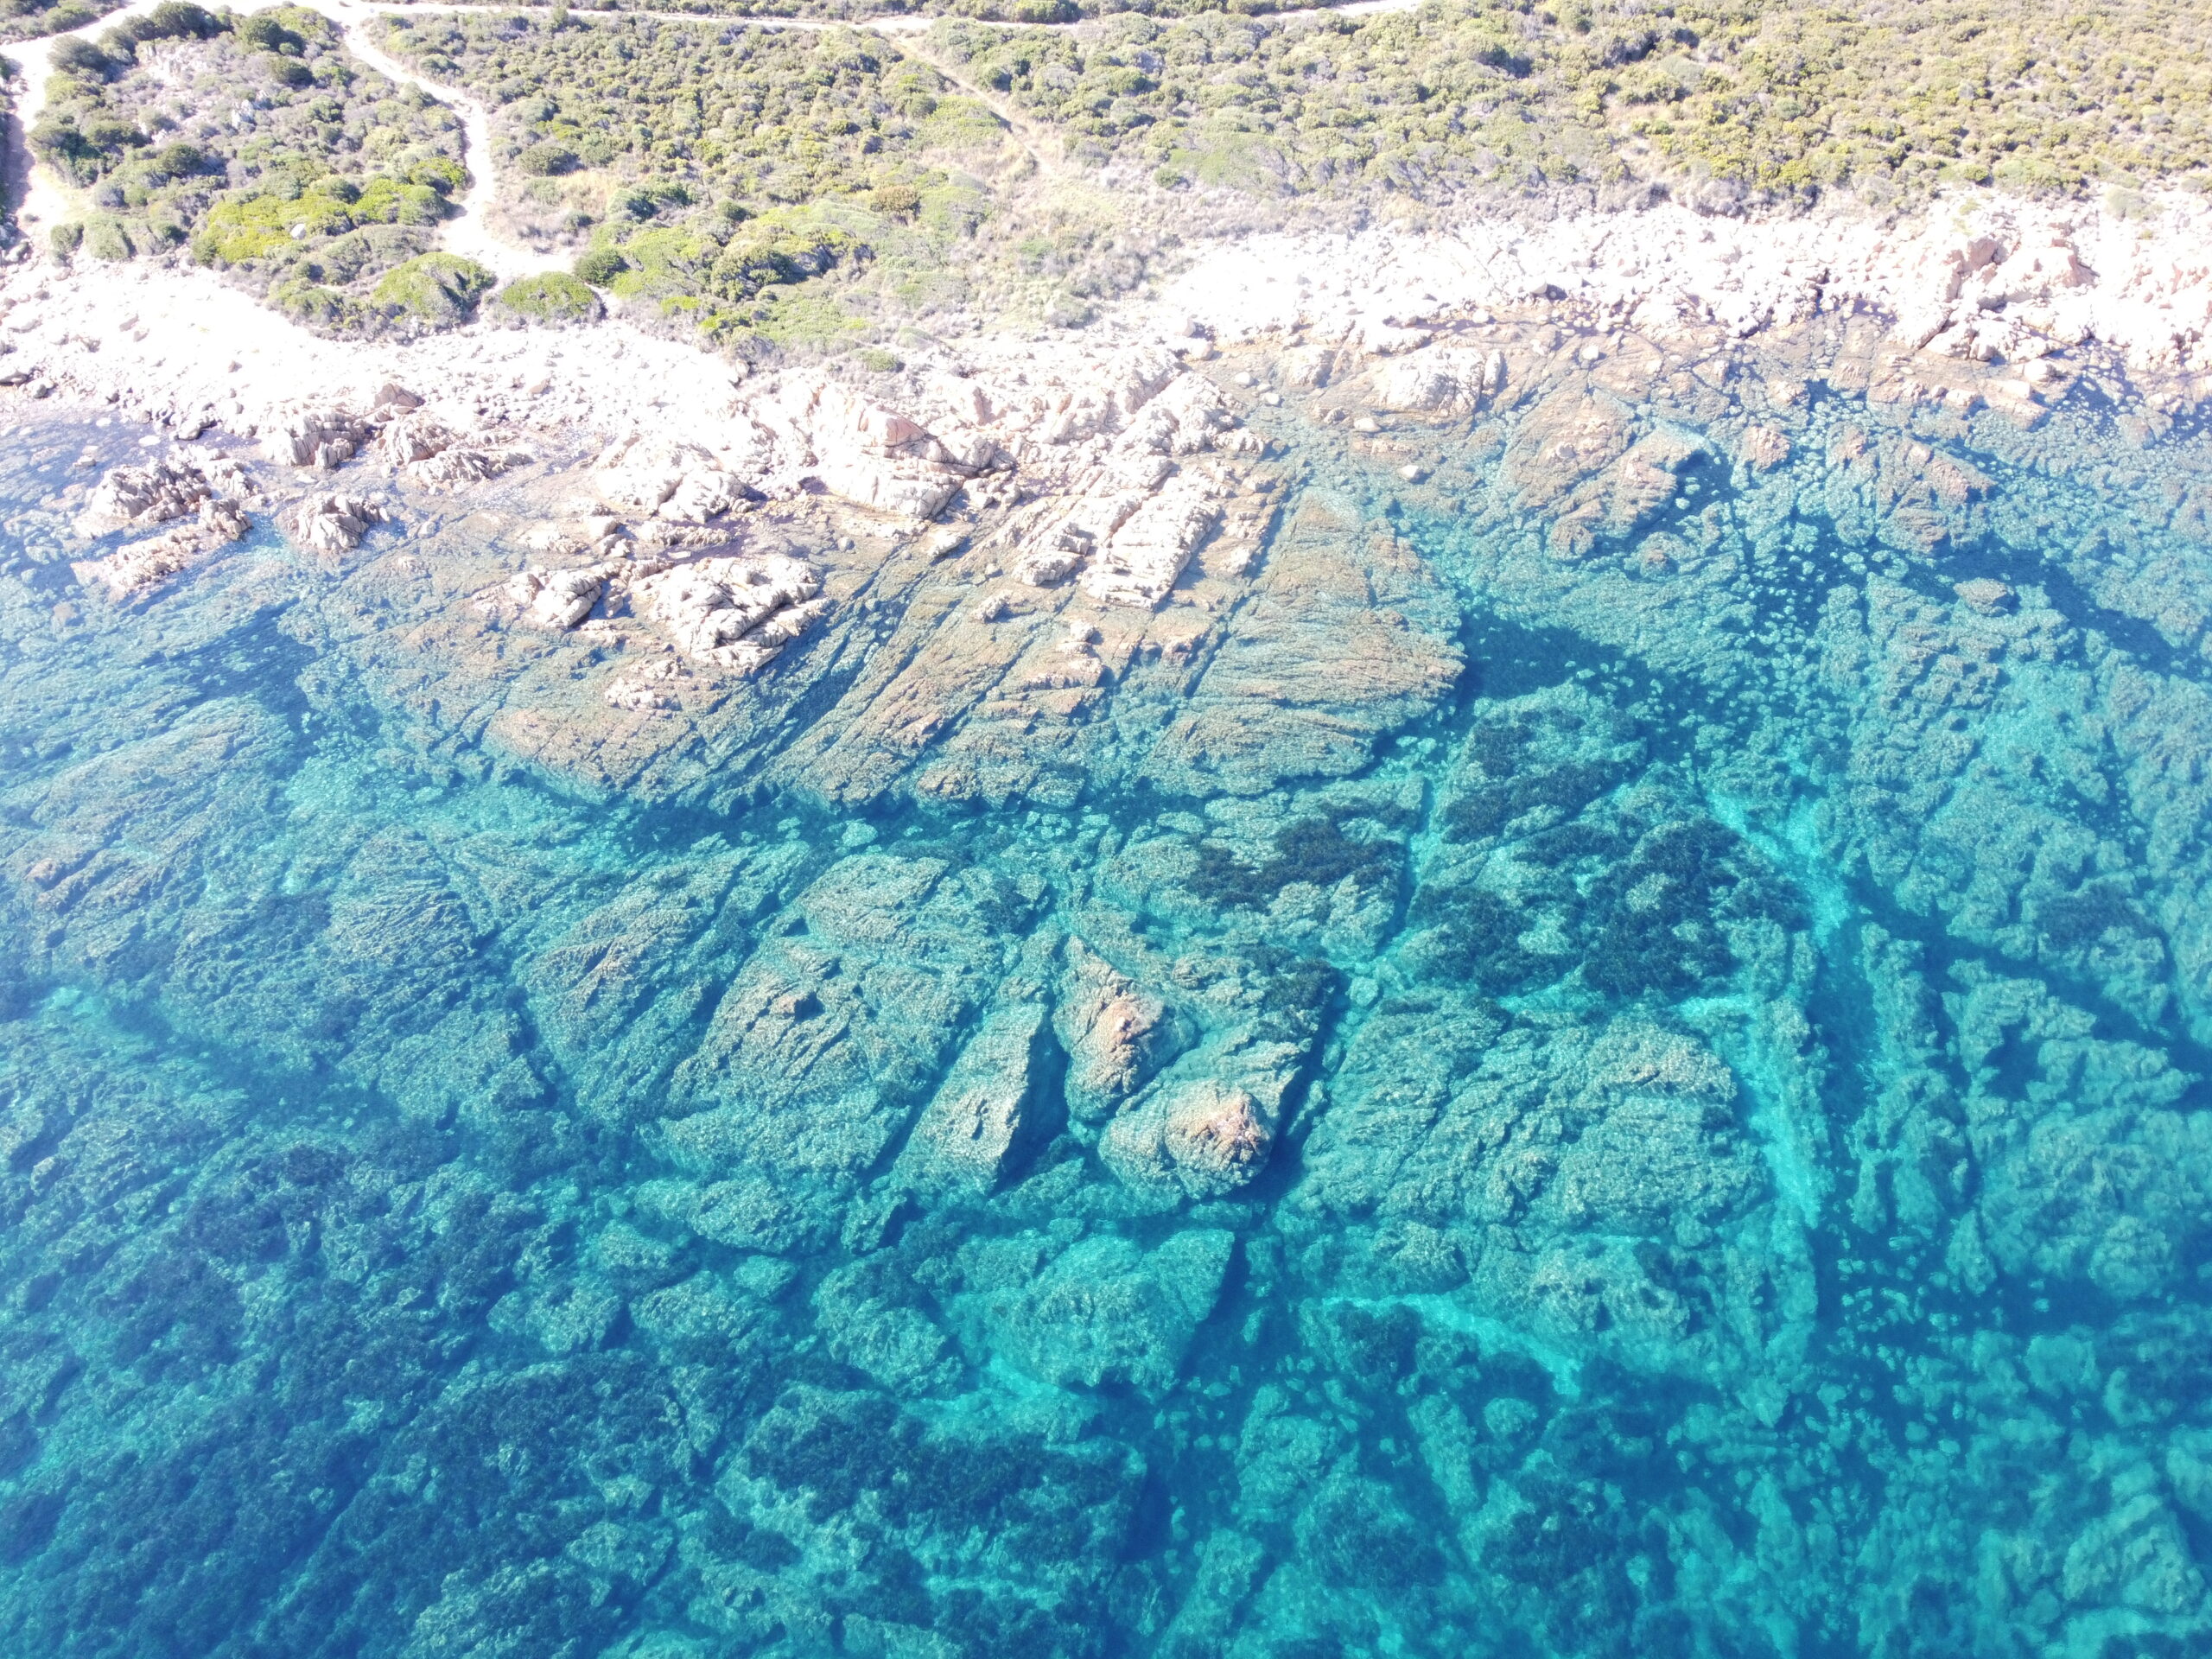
(143, 565)
(734, 612)
(333, 523)
(321, 438)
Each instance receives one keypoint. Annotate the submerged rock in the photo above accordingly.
(1206, 1137)
(984, 1108)
(1114, 1033)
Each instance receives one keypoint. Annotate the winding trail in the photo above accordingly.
(41, 199)
(467, 233)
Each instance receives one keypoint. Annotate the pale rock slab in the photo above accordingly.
(1437, 380)
(648, 476)
(143, 565)
(1138, 567)
(735, 612)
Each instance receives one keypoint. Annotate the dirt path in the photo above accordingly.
(467, 233)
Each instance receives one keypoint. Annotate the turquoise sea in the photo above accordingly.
(1673, 1120)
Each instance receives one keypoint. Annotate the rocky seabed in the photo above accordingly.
(1540, 985)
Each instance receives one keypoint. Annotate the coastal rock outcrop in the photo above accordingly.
(332, 522)
(322, 438)
(734, 612)
(139, 566)
(431, 454)
(1437, 380)
(160, 491)
(557, 599)
(667, 478)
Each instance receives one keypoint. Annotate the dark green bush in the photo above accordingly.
(434, 287)
(551, 296)
(181, 160)
(79, 57)
(266, 31)
(547, 161)
(600, 266)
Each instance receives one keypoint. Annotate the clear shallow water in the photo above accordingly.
(1741, 1182)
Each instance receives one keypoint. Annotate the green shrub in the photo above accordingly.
(266, 31)
(600, 266)
(80, 57)
(439, 289)
(546, 160)
(265, 226)
(181, 160)
(328, 309)
(66, 239)
(106, 238)
(876, 360)
(172, 20)
(387, 201)
(552, 296)
(895, 201)
(439, 173)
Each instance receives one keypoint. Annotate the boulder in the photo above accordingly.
(154, 494)
(321, 438)
(657, 476)
(331, 524)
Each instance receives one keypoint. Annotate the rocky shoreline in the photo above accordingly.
(1980, 300)
(1047, 525)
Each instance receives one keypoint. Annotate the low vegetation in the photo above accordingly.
(1889, 100)
(552, 296)
(759, 185)
(704, 173)
(31, 20)
(256, 146)
(1003, 12)
(719, 171)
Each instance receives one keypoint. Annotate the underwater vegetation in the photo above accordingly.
(1595, 1080)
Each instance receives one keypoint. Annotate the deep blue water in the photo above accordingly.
(1741, 1176)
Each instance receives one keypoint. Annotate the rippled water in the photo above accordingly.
(1741, 1177)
